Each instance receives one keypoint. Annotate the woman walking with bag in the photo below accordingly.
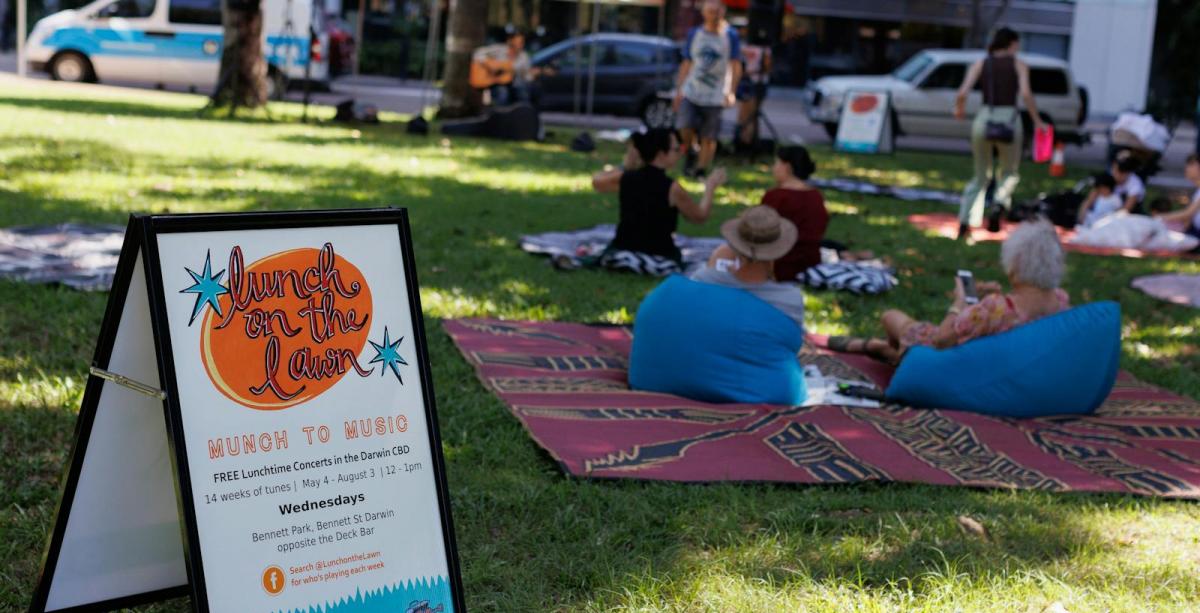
(996, 129)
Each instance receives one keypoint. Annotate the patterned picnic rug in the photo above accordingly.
(592, 241)
(946, 226)
(83, 257)
(566, 383)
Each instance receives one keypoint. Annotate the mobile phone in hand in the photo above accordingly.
(968, 283)
(861, 391)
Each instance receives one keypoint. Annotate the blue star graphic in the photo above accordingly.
(388, 354)
(207, 288)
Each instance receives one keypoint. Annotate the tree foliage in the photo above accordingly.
(1176, 70)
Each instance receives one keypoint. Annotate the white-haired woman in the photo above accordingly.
(1034, 263)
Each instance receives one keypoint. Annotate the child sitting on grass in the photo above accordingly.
(1105, 202)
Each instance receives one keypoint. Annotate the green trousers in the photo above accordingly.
(986, 153)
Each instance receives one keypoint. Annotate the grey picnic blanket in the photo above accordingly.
(858, 186)
(83, 257)
(1172, 287)
(591, 242)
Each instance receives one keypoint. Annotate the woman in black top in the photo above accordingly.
(1002, 77)
(651, 203)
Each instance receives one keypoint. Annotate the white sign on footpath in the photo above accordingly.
(293, 444)
(865, 123)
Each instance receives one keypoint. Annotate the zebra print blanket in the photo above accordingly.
(571, 249)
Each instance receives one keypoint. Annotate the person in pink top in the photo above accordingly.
(1033, 260)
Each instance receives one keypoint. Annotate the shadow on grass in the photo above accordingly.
(122, 108)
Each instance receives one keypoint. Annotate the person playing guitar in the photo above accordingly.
(505, 70)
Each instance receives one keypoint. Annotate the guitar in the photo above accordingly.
(488, 72)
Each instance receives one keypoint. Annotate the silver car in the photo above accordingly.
(923, 89)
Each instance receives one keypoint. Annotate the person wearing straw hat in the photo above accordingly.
(757, 238)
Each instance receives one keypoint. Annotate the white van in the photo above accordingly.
(171, 42)
(924, 87)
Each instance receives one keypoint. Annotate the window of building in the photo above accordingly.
(1053, 45)
(206, 12)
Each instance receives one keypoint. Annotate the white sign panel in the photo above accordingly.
(865, 125)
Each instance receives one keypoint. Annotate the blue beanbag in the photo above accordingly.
(1061, 364)
(716, 344)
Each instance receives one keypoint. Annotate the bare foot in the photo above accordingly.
(880, 349)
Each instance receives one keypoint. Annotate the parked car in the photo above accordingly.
(169, 42)
(631, 71)
(923, 90)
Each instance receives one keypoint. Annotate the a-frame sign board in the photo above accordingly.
(259, 429)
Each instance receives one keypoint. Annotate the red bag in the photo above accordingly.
(1043, 143)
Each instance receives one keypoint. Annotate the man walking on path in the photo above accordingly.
(710, 70)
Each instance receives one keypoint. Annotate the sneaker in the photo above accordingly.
(964, 231)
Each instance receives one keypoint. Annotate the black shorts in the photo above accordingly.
(705, 120)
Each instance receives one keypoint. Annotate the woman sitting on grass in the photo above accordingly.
(797, 202)
(651, 203)
(801, 204)
(1189, 216)
(1033, 260)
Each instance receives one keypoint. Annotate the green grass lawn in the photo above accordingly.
(529, 538)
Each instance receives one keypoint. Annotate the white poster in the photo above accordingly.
(302, 415)
(864, 125)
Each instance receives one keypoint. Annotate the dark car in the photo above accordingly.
(632, 71)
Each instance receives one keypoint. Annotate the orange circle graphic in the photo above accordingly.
(273, 580)
(291, 326)
(864, 103)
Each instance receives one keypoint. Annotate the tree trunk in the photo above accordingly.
(464, 33)
(243, 76)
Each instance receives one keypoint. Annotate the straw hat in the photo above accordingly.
(760, 234)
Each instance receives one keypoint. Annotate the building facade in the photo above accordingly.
(1109, 43)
